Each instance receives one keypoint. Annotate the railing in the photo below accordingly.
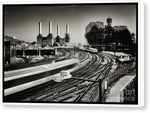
(111, 78)
(127, 93)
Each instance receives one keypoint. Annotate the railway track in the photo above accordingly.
(74, 90)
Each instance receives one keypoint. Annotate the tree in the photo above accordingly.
(133, 37)
(95, 36)
(107, 35)
(108, 30)
(123, 36)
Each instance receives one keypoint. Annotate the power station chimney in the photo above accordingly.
(67, 29)
(58, 30)
(40, 28)
(50, 27)
(67, 37)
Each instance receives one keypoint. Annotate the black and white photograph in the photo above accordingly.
(74, 53)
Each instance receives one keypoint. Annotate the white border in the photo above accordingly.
(140, 49)
(141, 54)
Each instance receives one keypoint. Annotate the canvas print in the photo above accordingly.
(70, 53)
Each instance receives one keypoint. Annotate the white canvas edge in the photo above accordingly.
(140, 50)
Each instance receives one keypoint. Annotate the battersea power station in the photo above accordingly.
(49, 40)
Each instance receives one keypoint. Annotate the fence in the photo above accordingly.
(128, 93)
(107, 80)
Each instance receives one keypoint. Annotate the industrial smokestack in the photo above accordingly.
(67, 29)
(40, 28)
(50, 27)
(58, 30)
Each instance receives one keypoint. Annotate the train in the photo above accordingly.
(123, 57)
(88, 49)
(64, 74)
(120, 56)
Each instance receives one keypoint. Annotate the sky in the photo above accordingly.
(22, 21)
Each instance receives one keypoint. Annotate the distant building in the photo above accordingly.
(10, 49)
(119, 28)
(106, 34)
(48, 40)
(11, 44)
(109, 21)
(108, 28)
(57, 39)
(67, 36)
(91, 24)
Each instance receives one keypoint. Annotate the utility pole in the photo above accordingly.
(100, 90)
(95, 81)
